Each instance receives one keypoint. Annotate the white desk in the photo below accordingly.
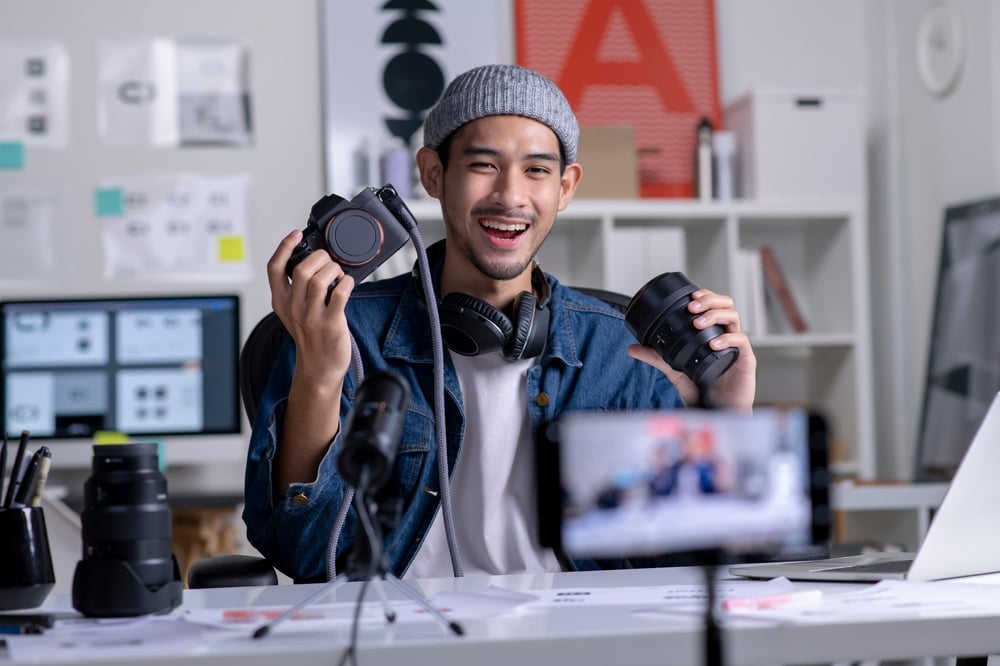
(606, 635)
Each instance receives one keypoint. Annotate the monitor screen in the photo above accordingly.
(963, 363)
(653, 483)
(164, 365)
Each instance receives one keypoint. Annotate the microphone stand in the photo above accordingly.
(367, 563)
(713, 653)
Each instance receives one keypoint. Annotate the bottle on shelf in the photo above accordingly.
(703, 161)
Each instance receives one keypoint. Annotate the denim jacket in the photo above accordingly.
(584, 367)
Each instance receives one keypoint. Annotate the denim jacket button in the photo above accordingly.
(301, 499)
(542, 399)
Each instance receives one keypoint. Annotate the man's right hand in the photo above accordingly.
(311, 306)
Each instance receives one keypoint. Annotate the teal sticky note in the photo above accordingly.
(109, 201)
(11, 155)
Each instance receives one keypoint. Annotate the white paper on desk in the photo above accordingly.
(888, 600)
(95, 640)
(316, 617)
(658, 595)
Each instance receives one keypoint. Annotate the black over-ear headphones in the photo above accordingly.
(470, 326)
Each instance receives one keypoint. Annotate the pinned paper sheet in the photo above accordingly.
(34, 84)
(165, 92)
(174, 226)
(31, 213)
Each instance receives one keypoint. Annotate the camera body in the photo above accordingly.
(359, 234)
(658, 317)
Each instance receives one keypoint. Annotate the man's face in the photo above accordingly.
(501, 192)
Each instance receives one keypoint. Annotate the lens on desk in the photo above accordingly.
(126, 515)
(126, 526)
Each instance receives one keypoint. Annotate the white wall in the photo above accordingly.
(943, 150)
(790, 44)
(924, 152)
(285, 161)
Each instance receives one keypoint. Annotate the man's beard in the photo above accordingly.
(496, 270)
(493, 269)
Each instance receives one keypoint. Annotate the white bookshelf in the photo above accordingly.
(620, 244)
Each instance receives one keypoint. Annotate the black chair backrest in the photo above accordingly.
(265, 340)
(613, 298)
(257, 359)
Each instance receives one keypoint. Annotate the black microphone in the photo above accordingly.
(373, 429)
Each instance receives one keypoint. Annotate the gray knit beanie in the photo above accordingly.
(502, 90)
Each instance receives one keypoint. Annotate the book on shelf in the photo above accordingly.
(779, 293)
(748, 293)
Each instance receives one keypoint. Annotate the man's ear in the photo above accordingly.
(431, 171)
(570, 179)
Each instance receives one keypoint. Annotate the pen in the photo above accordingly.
(26, 486)
(773, 601)
(43, 475)
(18, 458)
(27, 623)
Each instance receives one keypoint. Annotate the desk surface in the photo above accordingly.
(571, 635)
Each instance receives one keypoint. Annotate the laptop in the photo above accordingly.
(963, 538)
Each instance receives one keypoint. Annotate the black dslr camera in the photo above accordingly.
(359, 234)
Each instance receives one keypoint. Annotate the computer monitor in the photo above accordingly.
(149, 367)
(963, 362)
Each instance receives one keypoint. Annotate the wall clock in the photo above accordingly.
(940, 49)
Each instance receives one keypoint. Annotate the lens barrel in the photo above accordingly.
(658, 317)
(126, 526)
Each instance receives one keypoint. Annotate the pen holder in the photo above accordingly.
(26, 574)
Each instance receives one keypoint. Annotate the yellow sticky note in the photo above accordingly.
(111, 437)
(231, 248)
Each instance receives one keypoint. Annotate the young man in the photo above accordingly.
(500, 155)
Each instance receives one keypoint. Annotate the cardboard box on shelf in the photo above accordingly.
(610, 163)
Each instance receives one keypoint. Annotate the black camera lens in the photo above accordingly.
(126, 526)
(658, 317)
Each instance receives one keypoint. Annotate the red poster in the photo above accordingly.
(646, 63)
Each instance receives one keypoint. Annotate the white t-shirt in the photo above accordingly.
(492, 486)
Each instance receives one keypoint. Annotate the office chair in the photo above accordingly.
(257, 357)
(259, 353)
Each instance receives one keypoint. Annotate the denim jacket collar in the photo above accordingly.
(409, 336)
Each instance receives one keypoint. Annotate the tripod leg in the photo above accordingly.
(390, 615)
(406, 589)
(330, 586)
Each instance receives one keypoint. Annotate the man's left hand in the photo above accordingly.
(737, 387)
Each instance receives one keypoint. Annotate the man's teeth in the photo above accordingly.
(499, 226)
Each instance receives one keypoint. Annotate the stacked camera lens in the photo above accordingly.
(127, 567)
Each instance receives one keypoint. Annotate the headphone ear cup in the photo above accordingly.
(470, 326)
(531, 327)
